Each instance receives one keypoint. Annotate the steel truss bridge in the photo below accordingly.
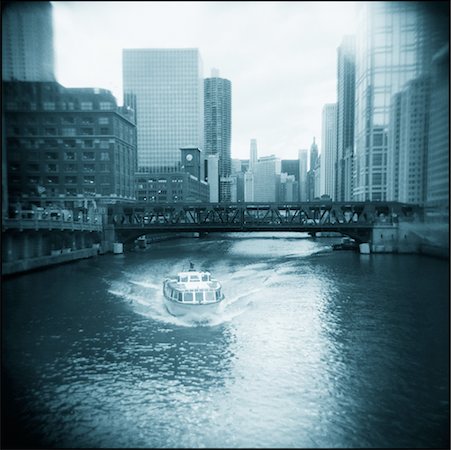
(355, 219)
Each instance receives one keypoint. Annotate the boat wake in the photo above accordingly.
(146, 298)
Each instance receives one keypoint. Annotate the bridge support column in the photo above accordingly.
(384, 239)
(27, 251)
(118, 248)
(108, 239)
(8, 253)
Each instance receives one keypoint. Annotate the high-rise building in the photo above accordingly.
(27, 41)
(165, 88)
(437, 192)
(65, 145)
(253, 154)
(303, 193)
(345, 117)
(213, 177)
(329, 150)
(248, 183)
(408, 141)
(311, 172)
(291, 167)
(394, 44)
(218, 127)
(288, 189)
(266, 175)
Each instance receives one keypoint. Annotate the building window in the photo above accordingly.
(106, 106)
(104, 130)
(67, 120)
(70, 168)
(88, 144)
(71, 180)
(51, 155)
(52, 168)
(88, 168)
(68, 131)
(88, 179)
(104, 144)
(69, 143)
(52, 180)
(104, 156)
(70, 156)
(86, 106)
(88, 156)
(87, 131)
(48, 106)
(50, 131)
(87, 121)
(104, 121)
(33, 180)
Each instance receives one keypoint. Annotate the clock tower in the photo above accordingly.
(191, 161)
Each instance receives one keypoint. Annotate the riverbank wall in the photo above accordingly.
(40, 262)
(23, 262)
(430, 239)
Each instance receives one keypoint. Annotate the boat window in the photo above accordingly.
(199, 296)
(218, 294)
(210, 296)
(194, 278)
(204, 277)
(188, 297)
(184, 279)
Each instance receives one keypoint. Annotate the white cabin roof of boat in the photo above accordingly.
(193, 276)
(191, 273)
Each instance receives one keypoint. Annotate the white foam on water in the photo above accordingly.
(149, 302)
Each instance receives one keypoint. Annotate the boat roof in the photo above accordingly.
(192, 272)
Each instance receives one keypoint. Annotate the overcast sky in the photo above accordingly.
(281, 57)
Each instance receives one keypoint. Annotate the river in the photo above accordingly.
(313, 348)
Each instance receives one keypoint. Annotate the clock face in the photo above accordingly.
(189, 157)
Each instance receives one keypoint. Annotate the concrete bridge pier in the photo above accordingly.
(384, 238)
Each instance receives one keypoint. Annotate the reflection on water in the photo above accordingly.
(312, 348)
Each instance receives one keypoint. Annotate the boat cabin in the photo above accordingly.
(193, 277)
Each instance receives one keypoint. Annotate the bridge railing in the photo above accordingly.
(38, 223)
(312, 214)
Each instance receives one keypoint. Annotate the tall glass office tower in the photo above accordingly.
(328, 150)
(27, 42)
(345, 117)
(165, 88)
(218, 128)
(393, 45)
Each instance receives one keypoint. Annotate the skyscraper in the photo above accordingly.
(393, 45)
(329, 150)
(345, 117)
(165, 88)
(311, 171)
(218, 127)
(266, 176)
(303, 193)
(27, 41)
(408, 141)
(253, 154)
(437, 187)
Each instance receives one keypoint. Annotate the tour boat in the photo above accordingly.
(192, 292)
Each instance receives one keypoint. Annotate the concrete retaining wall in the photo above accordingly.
(24, 265)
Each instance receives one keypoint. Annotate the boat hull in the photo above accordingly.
(194, 310)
